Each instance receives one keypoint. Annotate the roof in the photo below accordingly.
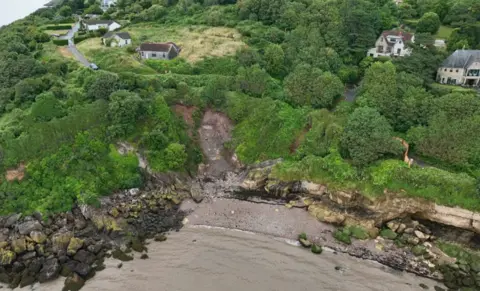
(96, 22)
(156, 47)
(404, 35)
(461, 58)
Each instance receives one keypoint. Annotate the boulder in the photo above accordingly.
(324, 214)
(27, 280)
(74, 245)
(401, 228)
(18, 267)
(196, 193)
(12, 219)
(388, 234)
(84, 256)
(38, 237)
(73, 283)
(60, 241)
(421, 236)
(80, 223)
(6, 257)
(305, 243)
(28, 256)
(316, 249)
(343, 198)
(19, 245)
(29, 226)
(413, 240)
(95, 248)
(82, 269)
(160, 237)
(393, 225)
(49, 271)
(68, 268)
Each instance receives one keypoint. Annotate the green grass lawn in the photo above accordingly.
(113, 59)
(444, 32)
(196, 42)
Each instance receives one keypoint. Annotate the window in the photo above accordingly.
(451, 70)
(456, 71)
(443, 80)
(444, 70)
(399, 51)
(154, 55)
(380, 49)
(454, 81)
(143, 54)
(371, 55)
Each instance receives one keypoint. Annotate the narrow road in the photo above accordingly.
(71, 45)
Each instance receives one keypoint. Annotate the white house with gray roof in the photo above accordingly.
(461, 68)
(119, 39)
(93, 25)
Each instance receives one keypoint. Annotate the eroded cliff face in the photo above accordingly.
(351, 207)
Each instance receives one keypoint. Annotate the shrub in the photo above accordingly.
(343, 236)
(388, 234)
(60, 42)
(358, 232)
(58, 27)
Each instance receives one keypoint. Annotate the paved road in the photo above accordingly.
(71, 45)
(78, 55)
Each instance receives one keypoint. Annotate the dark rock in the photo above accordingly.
(29, 226)
(137, 245)
(27, 280)
(305, 243)
(95, 248)
(28, 256)
(91, 274)
(438, 288)
(19, 245)
(423, 286)
(5, 278)
(68, 268)
(80, 224)
(49, 271)
(15, 281)
(73, 283)
(468, 282)
(100, 267)
(35, 266)
(160, 237)
(85, 257)
(83, 269)
(12, 219)
(120, 265)
(144, 256)
(62, 259)
(338, 268)
(18, 267)
(120, 255)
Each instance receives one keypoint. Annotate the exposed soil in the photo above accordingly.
(214, 132)
(16, 174)
(186, 112)
(65, 52)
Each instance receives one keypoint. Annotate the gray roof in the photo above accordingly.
(122, 35)
(461, 59)
(95, 22)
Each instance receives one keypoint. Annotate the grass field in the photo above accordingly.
(196, 42)
(114, 59)
(444, 32)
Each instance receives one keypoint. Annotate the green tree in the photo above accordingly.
(274, 59)
(267, 11)
(430, 22)
(124, 110)
(367, 137)
(214, 92)
(175, 156)
(312, 87)
(102, 85)
(65, 11)
(94, 9)
(46, 107)
(379, 89)
(252, 80)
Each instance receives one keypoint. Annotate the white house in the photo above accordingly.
(107, 4)
(93, 25)
(159, 51)
(119, 39)
(392, 43)
(461, 68)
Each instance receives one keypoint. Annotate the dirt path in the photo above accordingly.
(214, 132)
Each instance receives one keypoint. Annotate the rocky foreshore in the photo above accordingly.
(74, 244)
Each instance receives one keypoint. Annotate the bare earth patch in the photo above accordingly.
(16, 174)
(63, 50)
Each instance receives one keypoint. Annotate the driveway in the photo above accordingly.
(78, 55)
(71, 45)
